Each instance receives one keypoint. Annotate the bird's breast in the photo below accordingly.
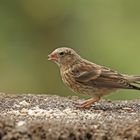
(75, 86)
(68, 79)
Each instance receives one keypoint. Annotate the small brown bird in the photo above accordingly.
(89, 78)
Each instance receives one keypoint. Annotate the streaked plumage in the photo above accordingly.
(89, 78)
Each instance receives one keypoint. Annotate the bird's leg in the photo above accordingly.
(87, 103)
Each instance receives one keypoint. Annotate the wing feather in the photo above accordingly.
(101, 77)
(85, 74)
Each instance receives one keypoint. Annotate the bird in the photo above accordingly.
(88, 78)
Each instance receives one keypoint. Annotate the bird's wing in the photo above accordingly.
(102, 77)
(111, 79)
(85, 74)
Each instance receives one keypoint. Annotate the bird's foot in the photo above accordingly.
(86, 103)
(81, 104)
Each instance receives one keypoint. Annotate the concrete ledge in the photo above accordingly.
(44, 117)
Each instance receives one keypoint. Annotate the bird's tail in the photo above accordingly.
(134, 87)
(134, 82)
(133, 79)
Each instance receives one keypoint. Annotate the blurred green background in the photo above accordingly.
(105, 32)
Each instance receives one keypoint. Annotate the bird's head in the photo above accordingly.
(63, 56)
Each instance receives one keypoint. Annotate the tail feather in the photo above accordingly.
(134, 87)
(134, 82)
(137, 82)
(133, 79)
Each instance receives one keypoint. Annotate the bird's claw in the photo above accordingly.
(83, 104)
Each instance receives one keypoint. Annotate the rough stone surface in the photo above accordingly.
(44, 117)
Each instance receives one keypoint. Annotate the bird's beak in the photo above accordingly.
(52, 57)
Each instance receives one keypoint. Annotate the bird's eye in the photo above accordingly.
(61, 53)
